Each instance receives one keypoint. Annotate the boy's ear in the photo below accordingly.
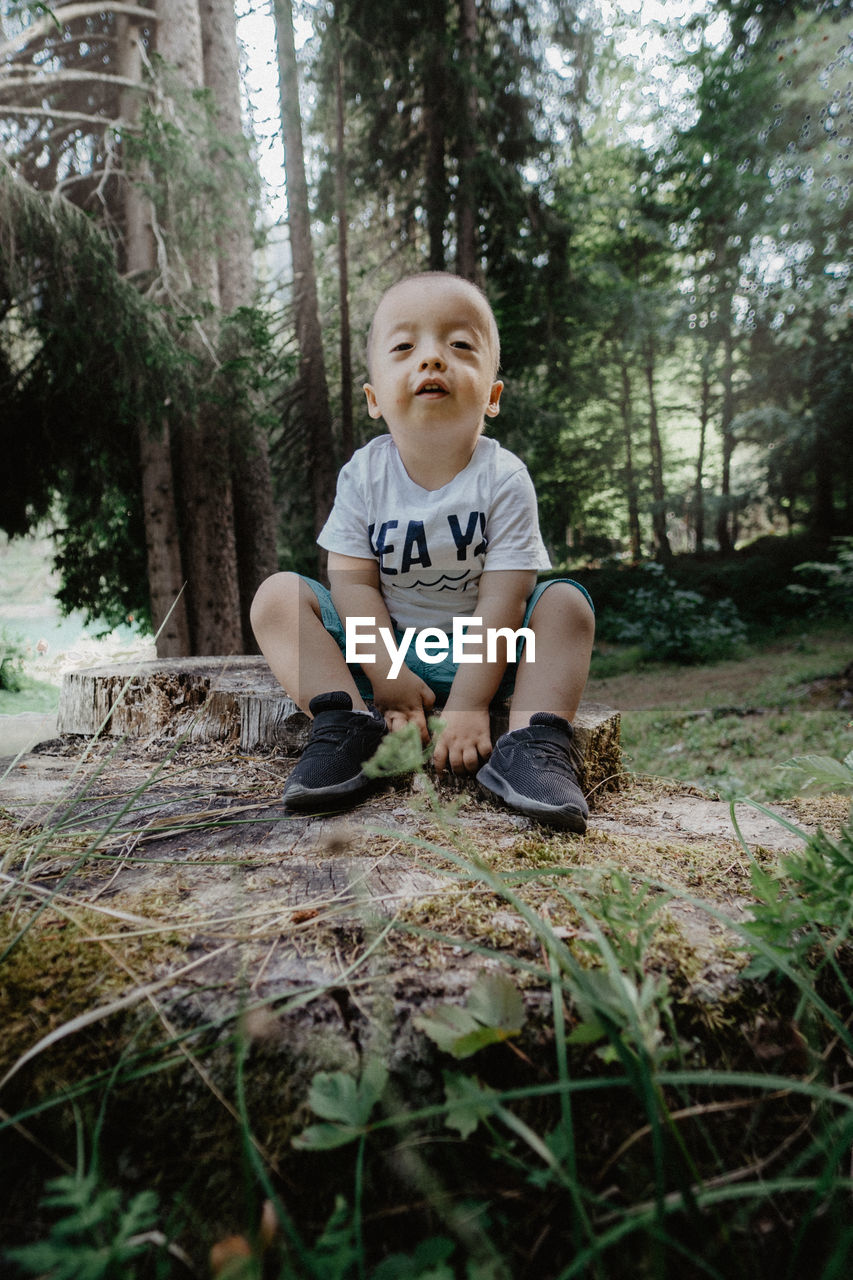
(494, 406)
(372, 403)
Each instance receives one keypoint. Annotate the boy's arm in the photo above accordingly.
(466, 740)
(354, 584)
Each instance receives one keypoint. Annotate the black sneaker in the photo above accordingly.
(328, 774)
(531, 770)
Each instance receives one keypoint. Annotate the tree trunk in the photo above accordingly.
(435, 113)
(466, 206)
(724, 520)
(824, 495)
(162, 539)
(347, 432)
(634, 533)
(316, 411)
(699, 489)
(217, 699)
(210, 552)
(663, 551)
(254, 508)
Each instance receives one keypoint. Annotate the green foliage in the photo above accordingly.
(806, 905)
(536, 1136)
(89, 358)
(834, 594)
(399, 752)
(11, 661)
(96, 1236)
(429, 1261)
(671, 624)
(344, 1103)
(618, 998)
(815, 774)
(72, 409)
(492, 1013)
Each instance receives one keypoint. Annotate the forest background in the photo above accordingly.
(656, 198)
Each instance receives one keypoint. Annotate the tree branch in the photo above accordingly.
(37, 79)
(112, 122)
(46, 25)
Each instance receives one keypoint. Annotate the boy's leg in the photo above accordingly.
(302, 655)
(530, 768)
(287, 617)
(564, 626)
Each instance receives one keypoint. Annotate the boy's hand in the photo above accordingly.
(465, 740)
(403, 699)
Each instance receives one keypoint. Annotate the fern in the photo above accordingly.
(94, 1237)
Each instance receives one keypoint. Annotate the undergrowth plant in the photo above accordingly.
(594, 1139)
(11, 661)
(829, 584)
(95, 1235)
(669, 623)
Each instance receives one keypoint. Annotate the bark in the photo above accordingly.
(724, 520)
(824, 494)
(210, 554)
(699, 489)
(435, 113)
(254, 508)
(216, 700)
(162, 540)
(663, 551)
(316, 411)
(347, 430)
(162, 544)
(35, 32)
(466, 221)
(626, 414)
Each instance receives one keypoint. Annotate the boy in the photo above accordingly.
(433, 523)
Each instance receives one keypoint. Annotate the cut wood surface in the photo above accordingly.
(239, 700)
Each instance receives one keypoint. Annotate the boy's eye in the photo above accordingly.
(463, 344)
(402, 346)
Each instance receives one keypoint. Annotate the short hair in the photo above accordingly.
(494, 335)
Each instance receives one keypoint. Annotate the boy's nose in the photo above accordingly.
(432, 362)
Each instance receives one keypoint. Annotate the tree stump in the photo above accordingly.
(238, 699)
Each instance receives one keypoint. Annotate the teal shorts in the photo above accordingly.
(438, 675)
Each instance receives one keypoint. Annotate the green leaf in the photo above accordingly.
(481, 1038)
(468, 1102)
(446, 1025)
(586, 1033)
(496, 1001)
(485, 1269)
(339, 1096)
(325, 1137)
(398, 752)
(428, 1262)
(334, 1096)
(493, 1012)
(822, 773)
(343, 1101)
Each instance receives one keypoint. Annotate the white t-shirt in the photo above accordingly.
(433, 544)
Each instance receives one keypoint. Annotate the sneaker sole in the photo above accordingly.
(497, 788)
(310, 799)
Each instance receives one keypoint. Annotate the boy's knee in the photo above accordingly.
(276, 595)
(569, 605)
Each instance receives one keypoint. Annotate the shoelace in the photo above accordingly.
(546, 751)
(330, 735)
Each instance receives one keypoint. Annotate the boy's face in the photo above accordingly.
(432, 362)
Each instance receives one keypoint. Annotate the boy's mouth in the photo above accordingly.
(432, 388)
